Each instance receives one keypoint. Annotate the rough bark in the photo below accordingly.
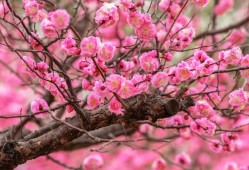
(140, 107)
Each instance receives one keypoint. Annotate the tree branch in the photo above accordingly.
(141, 107)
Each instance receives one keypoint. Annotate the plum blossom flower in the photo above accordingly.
(146, 32)
(113, 82)
(60, 19)
(202, 3)
(183, 71)
(31, 8)
(238, 99)
(69, 46)
(229, 137)
(141, 83)
(100, 88)
(126, 90)
(39, 105)
(175, 121)
(232, 56)
(183, 159)
(125, 65)
(203, 109)
(164, 5)
(115, 106)
(223, 6)
(215, 146)
(41, 14)
(106, 52)
(34, 43)
(160, 79)
(93, 162)
(149, 62)
(136, 19)
(203, 126)
(159, 164)
(245, 63)
(93, 101)
(42, 67)
(48, 29)
(231, 166)
(107, 15)
(89, 46)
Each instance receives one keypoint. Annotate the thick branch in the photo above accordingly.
(141, 107)
(223, 30)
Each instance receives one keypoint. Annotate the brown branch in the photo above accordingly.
(223, 30)
(142, 107)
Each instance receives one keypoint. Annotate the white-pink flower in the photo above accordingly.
(106, 52)
(39, 105)
(107, 15)
(60, 19)
(93, 162)
(89, 46)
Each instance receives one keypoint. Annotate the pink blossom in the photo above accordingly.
(173, 79)
(60, 19)
(202, 3)
(228, 138)
(106, 52)
(115, 106)
(93, 162)
(86, 84)
(203, 109)
(41, 14)
(183, 71)
(30, 63)
(237, 37)
(69, 46)
(125, 66)
(42, 67)
(141, 83)
(232, 56)
(160, 79)
(175, 121)
(206, 68)
(128, 41)
(101, 89)
(51, 81)
(34, 43)
(223, 6)
(93, 100)
(168, 57)
(146, 32)
(107, 15)
(245, 63)
(159, 164)
(126, 90)
(231, 166)
(146, 129)
(69, 108)
(48, 29)
(149, 62)
(135, 19)
(215, 146)
(203, 126)
(201, 56)
(39, 105)
(126, 5)
(164, 5)
(89, 46)
(113, 82)
(238, 99)
(183, 159)
(31, 8)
